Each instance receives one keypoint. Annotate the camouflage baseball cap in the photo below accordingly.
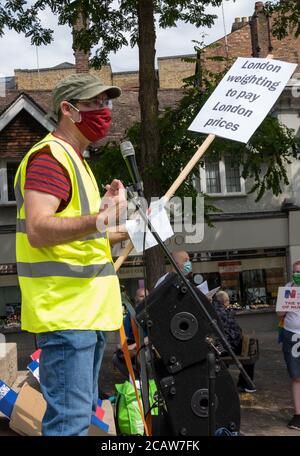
(81, 86)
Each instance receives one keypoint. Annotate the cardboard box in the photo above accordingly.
(29, 409)
(28, 412)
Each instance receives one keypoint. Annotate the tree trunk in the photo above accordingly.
(150, 155)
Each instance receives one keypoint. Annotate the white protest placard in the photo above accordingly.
(159, 221)
(288, 299)
(243, 98)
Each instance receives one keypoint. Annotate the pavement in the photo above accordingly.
(267, 412)
(264, 413)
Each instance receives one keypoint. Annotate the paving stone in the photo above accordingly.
(8, 363)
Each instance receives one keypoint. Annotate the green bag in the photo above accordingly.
(128, 416)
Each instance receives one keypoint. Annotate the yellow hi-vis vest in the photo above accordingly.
(72, 285)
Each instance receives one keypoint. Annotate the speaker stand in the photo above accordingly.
(211, 367)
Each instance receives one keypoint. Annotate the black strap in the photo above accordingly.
(143, 371)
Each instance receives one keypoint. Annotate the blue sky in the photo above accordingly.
(16, 51)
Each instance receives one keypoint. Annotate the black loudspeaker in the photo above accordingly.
(186, 398)
(178, 331)
(176, 324)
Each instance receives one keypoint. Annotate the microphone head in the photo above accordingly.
(126, 149)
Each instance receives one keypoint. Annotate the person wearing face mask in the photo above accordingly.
(70, 291)
(290, 338)
(184, 263)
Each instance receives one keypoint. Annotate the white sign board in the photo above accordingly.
(159, 221)
(243, 98)
(288, 299)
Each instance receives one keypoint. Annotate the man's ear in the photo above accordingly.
(65, 108)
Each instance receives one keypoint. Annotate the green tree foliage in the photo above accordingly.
(286, 17)
(112, 24)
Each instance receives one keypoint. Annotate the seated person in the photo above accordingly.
(233, 334)
(118, 357)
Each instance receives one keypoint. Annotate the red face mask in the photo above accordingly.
(94, 125)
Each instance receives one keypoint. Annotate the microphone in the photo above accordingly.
(128, 154)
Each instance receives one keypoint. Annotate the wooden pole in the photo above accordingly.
(180, 179)
(188, 168)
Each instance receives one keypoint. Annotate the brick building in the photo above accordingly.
(259, 238)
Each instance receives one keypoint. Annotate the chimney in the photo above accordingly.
(259, 6)
(236, 25)
(81, 57)
(261, 36)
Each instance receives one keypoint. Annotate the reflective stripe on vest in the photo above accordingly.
(21, 226)
(18, 193)
(57, 269)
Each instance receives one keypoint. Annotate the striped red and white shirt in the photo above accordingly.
(45, 174)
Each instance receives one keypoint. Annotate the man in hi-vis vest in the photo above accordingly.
(70, 291)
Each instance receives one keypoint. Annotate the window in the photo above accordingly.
(221, 178)
(7, 175)
(233, 178)
(254, 286)
(213, 178)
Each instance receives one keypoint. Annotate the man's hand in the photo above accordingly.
(113, 206)
(117, 234)
(114, 189)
